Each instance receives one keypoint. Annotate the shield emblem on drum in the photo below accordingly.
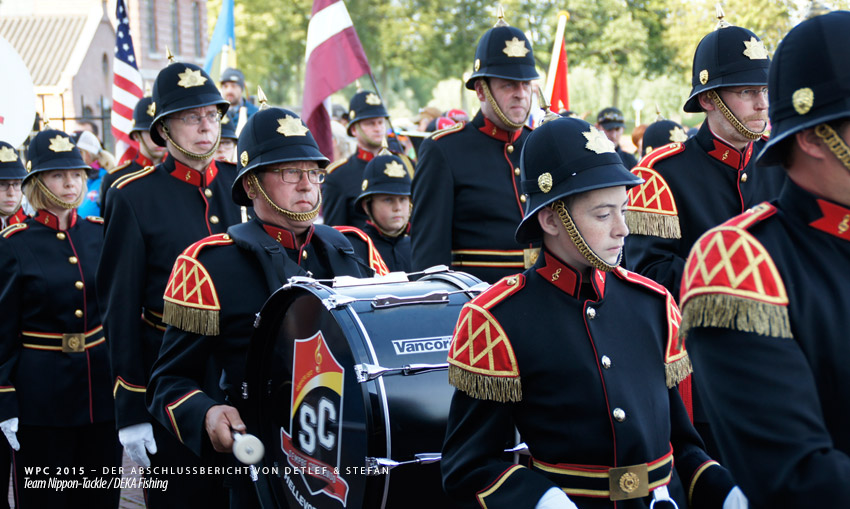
(313, 445)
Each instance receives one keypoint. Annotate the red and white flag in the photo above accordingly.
(557, 91)
(335, 58)
(126, 83)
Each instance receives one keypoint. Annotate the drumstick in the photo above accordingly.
(247, 448)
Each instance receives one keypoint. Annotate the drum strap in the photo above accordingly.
(277, 266)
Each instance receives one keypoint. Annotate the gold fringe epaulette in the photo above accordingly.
(732, 312)
(13, 229)
(436, 135)
(647, 223)
(130, 177)
(678, 370)
(191, 301)
(502, 389)
(652, 209)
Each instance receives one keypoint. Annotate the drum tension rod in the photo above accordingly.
(379, 466)
(367, 372)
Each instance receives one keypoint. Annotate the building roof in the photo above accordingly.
(45, 43)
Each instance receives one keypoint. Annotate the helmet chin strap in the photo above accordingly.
(836, 145)
(579, 241)
(737, 124)
(59, 202)
(497, 110)
(300, 217)
(150, 153)
(191, 155)
(365, 138)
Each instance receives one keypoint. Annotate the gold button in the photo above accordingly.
(207, 193)
(73, 260)
(214, 219)
(606, 362)
(78, 313)
(516, 171)
(225, 237)
(304, 255)
(619, 414)
(523, 198)
(510, 149)
(743, 177)
(512, 281)
(79, 285)
(60, 236)
(591, 313)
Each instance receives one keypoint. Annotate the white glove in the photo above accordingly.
(555, 498)
(136, 439)
(10, 429)
(736, 499)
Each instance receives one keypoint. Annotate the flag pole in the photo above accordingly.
(381, 97)
(563, 16)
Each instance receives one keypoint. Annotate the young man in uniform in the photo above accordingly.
(280, 173)
(576, 354)
(765, 296)
(151, 216)
(232, 83)
(467, 186)
(12, 173)
(612, 123)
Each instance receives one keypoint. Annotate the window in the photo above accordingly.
(175, 27)
(150, 24)
(196, 19)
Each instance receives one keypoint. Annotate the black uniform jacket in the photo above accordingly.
(119, 171)
(393, 251)
(468, 201)
(586, 370)
(243, 268)
(342, 187)
(54, 367)
(769, 338)
(690, 187)
(151, 216)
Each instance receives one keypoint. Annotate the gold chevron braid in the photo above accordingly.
(491, 342)
(657, 191)
(199, 275)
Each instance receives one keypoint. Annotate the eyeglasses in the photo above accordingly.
(6, 184)
(293, 175)
(750, 94)
(194, 119)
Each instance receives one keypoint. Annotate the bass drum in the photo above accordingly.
(349, 390)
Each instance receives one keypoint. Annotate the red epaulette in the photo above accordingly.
(334, 165)
(13, 229)
(436, 135)
(131, 177)
(120, 167)
(94, 219)
(376, 262)
(677, 364)
(730, 281)
(191, 300)
(481, 359)
(652, 209)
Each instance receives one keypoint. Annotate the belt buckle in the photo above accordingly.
(629, 482)
(74, 343)
(529, 256)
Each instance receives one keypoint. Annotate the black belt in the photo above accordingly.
(68, 342)
(500, 258)
(153, 319)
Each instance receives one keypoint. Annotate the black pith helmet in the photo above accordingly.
(228, 129)
(503, 52)
(273, 135)
(385, 174)
(727, 57)
(182, 86)
(809, 79)
(143, 114)
(11, 166)
(563, 157)
(365, 104)
(662, 132)
(53, 150)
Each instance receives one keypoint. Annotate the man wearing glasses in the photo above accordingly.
(692, 186)
(151, 216)
(12, 173)
(280, 173)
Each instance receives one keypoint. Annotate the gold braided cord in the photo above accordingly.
(579, 241)
(253, 181)
(59, 202)
(192, 155)
(835, 143)
(490, 99)
(740, 127)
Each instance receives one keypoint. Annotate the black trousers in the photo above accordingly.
(55, 463)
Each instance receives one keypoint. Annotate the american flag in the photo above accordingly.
(126, 83)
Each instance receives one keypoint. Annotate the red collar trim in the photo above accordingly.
(286, 237)
(143, 161)
(51, 221)
(568, 279)
(729, 155)
(364, 155)
(835, 220)
(18, 217)
(194, 177)
(494, 131)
